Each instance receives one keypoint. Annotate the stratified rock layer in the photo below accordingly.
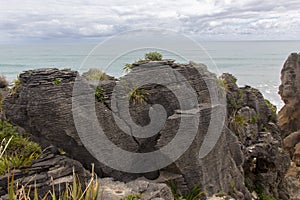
(289, 120)
(42, 105)
(50, 171)
(253, 120)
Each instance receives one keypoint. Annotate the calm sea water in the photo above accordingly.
(255, 63)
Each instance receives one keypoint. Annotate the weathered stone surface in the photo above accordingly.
(289, 90)
(253, 120)
(289, 120)
(50, 169)
(44, 108)
(291, 141)
(293, 183)
(110, 189)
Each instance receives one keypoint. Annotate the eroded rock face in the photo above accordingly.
(51, 169)
(42, 105)
(110, 189)
(289, 90)
(289, 120)
(253, 120)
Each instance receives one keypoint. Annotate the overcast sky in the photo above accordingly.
(48, 20)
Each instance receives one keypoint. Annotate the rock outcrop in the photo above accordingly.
(42, 105)
(50, 170)
(289, 90)
(253, 120)
(289, 120)
(110, 189)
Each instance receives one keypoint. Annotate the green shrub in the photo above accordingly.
(153, 56)
(17, 151)
(96, 75)
(294, 54)
(3, 82)
(16, 85)
(72, 192)
(272, 107)
(99, 94)
(128, 67)
(57, 81)
(194, 194)
(233, 103)
(138, 95)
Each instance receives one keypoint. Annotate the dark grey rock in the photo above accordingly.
(44, 108)
(51, 169)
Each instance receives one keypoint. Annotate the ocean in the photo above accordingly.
(254, 63)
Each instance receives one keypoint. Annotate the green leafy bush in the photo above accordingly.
(137, 95)
(294, 54)
(128, 67)
(272, 107)
(194, 194)
(16, 85)
(99, 94)
(153, 56)
(96, 75)
(17, 151)
(57, 81)
(3, 82)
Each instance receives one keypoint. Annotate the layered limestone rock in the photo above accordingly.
(289, 90)
(42, 105)
(50, 171)
(253, 120)
(289, 119)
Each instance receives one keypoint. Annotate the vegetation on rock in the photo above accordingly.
(18, 151)
(153, 56)
(99, 94)
(194, 194)
(73, 191)
(96, 75)
(128, 67)
(137, 95)
(57, 81)
(3, 82)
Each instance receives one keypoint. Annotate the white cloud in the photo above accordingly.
(208, 19)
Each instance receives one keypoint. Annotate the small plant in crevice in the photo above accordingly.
(222, 85)
(16, 85)
(137, 95)
(153, 56)
(272, 107)
(239, 120)
(57, 81)
(294, 54)
(96, 75)
(128, 67)
(100, 94)
(194, 194)
(17, 150)
(254, 118)
(233, 103)
(260, 192)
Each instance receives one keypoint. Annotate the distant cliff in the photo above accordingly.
(289, 119)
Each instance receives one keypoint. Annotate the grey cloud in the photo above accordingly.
(205, 19)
